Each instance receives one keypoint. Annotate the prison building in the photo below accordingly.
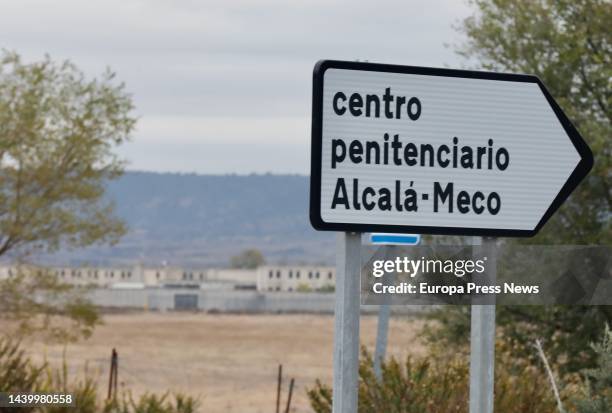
(296, 278)
(140, 276)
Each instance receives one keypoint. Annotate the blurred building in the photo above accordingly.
(296, 278)
(265, 278)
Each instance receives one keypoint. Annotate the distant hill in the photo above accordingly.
(193, 220)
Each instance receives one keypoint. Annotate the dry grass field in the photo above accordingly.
(229, 361)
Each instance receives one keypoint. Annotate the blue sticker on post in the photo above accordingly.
(378, 238)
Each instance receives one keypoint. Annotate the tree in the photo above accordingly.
(250, 259)
(567, 43)
(597, 397)
(57, 135)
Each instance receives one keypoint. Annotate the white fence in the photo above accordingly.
(224, 301)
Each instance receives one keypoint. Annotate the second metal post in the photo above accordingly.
(482, 340)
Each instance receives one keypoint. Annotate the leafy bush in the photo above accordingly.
(19, 374)
(303, 288)
(83, 390)
(597, 394)
(440, 384)
(250, 259)
(569, 331)
(152, 403)
(328, 288)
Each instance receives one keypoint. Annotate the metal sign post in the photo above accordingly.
(384, 311)
(482, 355)
(346, 325)
(482, 342)
(382, 333)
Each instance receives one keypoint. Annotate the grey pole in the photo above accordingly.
(346, 327)
(482, 341)
(382, 332)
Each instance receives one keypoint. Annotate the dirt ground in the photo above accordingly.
(229, 361)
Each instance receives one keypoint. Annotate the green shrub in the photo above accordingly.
(152, 403)
(440, 384)
(303, 288)
(597, 391)
(83, 390)
(328, 288)
(568, 331)
(19, 374)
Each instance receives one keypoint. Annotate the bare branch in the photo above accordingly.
(538, 346)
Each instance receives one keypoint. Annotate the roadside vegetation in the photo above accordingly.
(19, 374)
(439, 383)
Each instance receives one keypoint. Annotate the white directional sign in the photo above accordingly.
(421, 150)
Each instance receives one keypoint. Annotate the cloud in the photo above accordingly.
(285, 130)
(206, 73)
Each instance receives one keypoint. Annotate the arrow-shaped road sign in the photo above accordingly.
(421, 150)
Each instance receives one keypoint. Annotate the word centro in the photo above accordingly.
(450, 290)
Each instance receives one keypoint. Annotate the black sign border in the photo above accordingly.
(581, 170)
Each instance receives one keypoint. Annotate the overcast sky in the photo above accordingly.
(224, 86)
